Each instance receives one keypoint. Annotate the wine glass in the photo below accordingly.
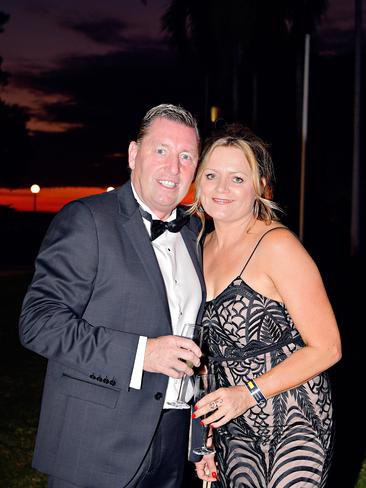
(204, 384)
(191, 331)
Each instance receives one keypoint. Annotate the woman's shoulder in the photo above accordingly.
(274, 232)
(274, 228)
(281, 243)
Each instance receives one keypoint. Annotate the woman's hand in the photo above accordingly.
(225, 404)
(206, 468)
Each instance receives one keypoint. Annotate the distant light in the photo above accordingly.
(35, 188)
(110, 188)
(117, 155)
(214, 113)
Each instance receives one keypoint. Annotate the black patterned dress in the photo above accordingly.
(288, 441)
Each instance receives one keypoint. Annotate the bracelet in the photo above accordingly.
(255, 391)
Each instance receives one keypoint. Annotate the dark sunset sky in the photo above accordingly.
(99, 65)
(48, 36)
(45, 35)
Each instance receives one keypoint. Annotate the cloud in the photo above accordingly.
(90, 107)
(110, 32)
(80, 86)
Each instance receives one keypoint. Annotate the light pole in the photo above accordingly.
(304, 134)
(35, 189)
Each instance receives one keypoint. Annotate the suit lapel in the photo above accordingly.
(135, 231)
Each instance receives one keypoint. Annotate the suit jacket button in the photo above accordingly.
(106, 381)
(158, 395)
(112, 382)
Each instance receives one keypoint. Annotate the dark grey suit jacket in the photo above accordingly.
(97, 287)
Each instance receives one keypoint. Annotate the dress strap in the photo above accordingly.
(255, 247)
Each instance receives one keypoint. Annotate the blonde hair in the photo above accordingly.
(261, 165)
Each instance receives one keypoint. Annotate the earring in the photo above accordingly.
(256, 207)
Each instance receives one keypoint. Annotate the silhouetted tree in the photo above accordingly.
(3, 76)
(250, 53)
(14, 141)
(233, 41)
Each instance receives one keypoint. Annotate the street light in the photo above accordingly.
(35, 189)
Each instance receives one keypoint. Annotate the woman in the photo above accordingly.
(271, 331)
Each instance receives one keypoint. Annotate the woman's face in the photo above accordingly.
(226, 187)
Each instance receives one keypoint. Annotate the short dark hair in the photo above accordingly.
(168, 111)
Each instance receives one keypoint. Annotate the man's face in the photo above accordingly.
(163, 164)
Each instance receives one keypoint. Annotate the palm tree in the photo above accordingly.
(251, 55)
(231, 40)
(215, 34)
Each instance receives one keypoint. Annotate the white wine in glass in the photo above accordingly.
(190, 331)
(203, 384)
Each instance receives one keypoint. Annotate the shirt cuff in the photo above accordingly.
(138, 367)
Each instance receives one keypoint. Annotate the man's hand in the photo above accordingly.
(168, 355)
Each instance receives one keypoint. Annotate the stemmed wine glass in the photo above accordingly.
(204, 384)
(194, 332)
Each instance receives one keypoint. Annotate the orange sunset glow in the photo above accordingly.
(48, 199)
(53, 199)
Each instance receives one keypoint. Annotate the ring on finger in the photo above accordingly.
(216, 404)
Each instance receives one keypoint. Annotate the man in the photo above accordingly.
(105, 303)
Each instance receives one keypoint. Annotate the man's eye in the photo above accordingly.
(186, 157)
(161, 150)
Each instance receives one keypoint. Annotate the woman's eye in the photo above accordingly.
(238, 179)
(210, 176)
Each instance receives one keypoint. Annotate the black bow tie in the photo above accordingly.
(160, 226)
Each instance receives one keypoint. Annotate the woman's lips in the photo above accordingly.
(222, 201)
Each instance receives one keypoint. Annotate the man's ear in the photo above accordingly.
(132, 151)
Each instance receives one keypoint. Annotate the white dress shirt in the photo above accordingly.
(183, 291)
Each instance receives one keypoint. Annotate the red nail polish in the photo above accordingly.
(201, 422)
(213, 474)
(193, 415)
(195, 407)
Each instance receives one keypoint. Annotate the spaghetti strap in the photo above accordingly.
(255, 247)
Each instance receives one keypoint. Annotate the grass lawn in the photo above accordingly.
(21, 385)
(361, 483)
(21, 381)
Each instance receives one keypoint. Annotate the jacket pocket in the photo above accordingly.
(90, 392)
